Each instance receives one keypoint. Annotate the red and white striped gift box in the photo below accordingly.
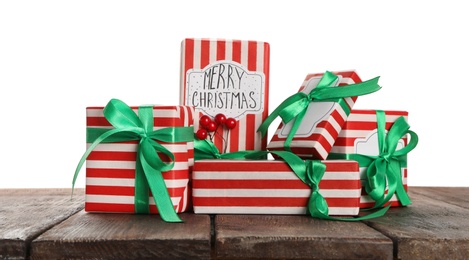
(321, 124)
(229, 77)
(270, 187)
(110, 167)
(359, 136)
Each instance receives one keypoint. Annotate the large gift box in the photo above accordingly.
(230, 77)
(133, 164)
(222, 186)
(379, 141)
(313, 117)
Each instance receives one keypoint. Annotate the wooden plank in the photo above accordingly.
(125, 236)
(453, 195)
(427, 229)
(290, 237)
(26, 213)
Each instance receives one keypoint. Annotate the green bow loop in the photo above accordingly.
(300, 100)
(148, 149)
(317, 205)
(149, 166)
(384, 170)
(120, 115)
(295, 106)
(309, 172)
(205, 149)
(376, 180)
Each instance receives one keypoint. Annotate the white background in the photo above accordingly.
(58, 57)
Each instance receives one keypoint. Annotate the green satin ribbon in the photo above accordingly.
(384, 170)
(149, 166)
(205, 149)
(295, 106)
(309, 172)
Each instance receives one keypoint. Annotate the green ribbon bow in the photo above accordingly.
(295, 106)
(385, 168)
(205, 149)
(311, 172)
(149, 166)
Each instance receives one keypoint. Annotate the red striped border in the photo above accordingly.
(263, 181)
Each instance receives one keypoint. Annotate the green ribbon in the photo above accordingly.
(385, 168)
(205, 149)
(309, 172)
(149, 166)
(295, 106)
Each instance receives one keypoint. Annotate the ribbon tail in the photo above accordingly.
(159, 192)
(141, 188)
(376, 214)
(401, 193)
(88, 151)
(293, 130)
(358, 89)
(287, 102)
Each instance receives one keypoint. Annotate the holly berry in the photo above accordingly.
(201, 134)
(204, 121)
(211, 127)
(220, 118)
(230, 123)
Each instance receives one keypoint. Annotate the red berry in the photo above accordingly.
(204, 120)
(220, 118)
(230, 123)
(211, 127)
(201, 134)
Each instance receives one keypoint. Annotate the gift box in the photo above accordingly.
(223, 186)
(229, 77)
(121, 173)
(322, 115)
(364, 139)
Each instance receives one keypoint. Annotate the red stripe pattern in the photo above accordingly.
(358, 135)
(321, 124)
(110, 167)
(271, 187)
(212, 69)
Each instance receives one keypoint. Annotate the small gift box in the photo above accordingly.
(138, 159)
(229, 77)
(379, 141)
(313, 117)
(222, 186)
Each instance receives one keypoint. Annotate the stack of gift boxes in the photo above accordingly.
(211, 154)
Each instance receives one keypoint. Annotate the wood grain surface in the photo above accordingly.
(433, 227)
(125, 236)
(458, 196)
(26, 213)
(48, 224)
(297, 237)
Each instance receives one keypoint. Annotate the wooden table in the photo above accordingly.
(49, 224)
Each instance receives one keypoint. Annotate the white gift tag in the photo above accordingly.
(315, 113)
(225, 87)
